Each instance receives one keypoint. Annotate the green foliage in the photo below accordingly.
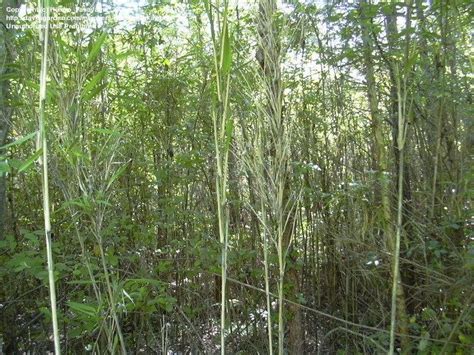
(133, 174)
(96, 46)
(226, 60)
(19, 141)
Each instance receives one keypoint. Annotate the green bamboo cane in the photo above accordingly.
(402, 128)
(44, 14)
(222, 136)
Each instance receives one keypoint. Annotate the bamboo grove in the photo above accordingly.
(248, 177)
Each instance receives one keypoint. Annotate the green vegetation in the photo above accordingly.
(245, 177)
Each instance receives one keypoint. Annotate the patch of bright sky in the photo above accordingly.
(127, 13)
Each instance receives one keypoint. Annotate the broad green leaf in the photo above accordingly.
(33, 238)
(19, 141)
(30, 160)
(411, 61)
(96, 47)
(93, 83)
(4, 168)
(466, 339)
(46, 312)
(41, 275)
(229, 129)
(423, 344)
(8, 76)
(112, 259)
(82, 203)
(124, 55)
(152, 282)
(83, 308)
(94, 92)
(77, 152)
(27, 260)
(226, 51)
(116, 175)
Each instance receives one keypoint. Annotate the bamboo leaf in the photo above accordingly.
(226, 52)
(30, 161)
(4, 168)
(96, 47)
(128, 296)
(411, 61)
(19, 141)
(83, 308)
(104, 131)
(93, 83)
(116, 175)
(151, 282)
(229, 129)
(93, 93)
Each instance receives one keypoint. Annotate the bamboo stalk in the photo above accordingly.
(261, 178)
(220, 117)
(44, 162)
(396, 253)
